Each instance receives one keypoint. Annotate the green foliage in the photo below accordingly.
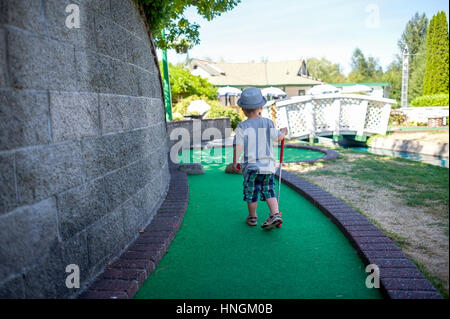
(364, 69)
(395, 118)
(325, 70)
(218, 110)
(413, 36)
(183, 84)
(417, 72)
(437, 60)
(431, 100)
(167, 15)
(393, 75)
(182, 105)
(177, 116)
(429, 73)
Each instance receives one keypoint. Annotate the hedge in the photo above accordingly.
(217, 110)
(431, 100)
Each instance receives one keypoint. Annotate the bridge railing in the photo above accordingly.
(331, 114)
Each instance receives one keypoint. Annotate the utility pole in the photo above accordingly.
(405, 76)
(166, 83)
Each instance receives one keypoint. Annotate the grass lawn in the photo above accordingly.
(408, 200)
(418, 184)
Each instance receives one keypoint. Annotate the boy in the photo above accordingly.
(254, 136)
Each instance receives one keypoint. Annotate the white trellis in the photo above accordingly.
(331, 114)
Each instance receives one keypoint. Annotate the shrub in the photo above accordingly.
(218, 110)
(182, 105)
(431, 100)
(184, 84)
(177, 116)
(397, 118)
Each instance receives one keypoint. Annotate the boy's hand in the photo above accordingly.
(283, 134)
(236, 167)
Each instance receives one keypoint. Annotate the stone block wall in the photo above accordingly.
(83, 143)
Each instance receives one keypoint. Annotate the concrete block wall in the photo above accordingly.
(83, 143)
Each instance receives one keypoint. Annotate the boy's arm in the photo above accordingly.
(277, 135)
(238, 146)
(237, 151)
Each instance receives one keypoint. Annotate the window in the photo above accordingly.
(301, 92)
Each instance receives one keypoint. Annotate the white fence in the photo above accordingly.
(422, 114)
(331, 114)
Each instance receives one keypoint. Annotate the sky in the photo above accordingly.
(278, 30)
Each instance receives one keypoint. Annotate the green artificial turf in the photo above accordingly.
(215, 254)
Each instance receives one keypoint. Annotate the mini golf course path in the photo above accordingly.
(216, 255)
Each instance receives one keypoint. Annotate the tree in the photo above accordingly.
(167, 15)
(429, 74)
(183, 84)
(418, 67)
(437, 59)
(413, 36)
(393, 75)
(364, 70)
(325, 70)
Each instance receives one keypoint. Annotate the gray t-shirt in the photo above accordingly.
(257, 136)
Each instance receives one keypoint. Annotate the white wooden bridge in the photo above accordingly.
(308, 117)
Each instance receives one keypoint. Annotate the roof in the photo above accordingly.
(383, 84)
(255, 73)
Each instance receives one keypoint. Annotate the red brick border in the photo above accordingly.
(123, 278)
(399, 277)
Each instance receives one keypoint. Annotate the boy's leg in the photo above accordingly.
(252, 209)
(273, 205)
(274, 219)
(251, 197)
(268, 194)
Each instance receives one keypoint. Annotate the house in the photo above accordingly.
(290, 76)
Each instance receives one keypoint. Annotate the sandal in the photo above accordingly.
(273, 221)
(252, 220)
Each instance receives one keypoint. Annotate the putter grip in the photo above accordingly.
(238, 166)
(282, 151)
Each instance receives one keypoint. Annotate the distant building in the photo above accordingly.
(380, 89)
(290, 76)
